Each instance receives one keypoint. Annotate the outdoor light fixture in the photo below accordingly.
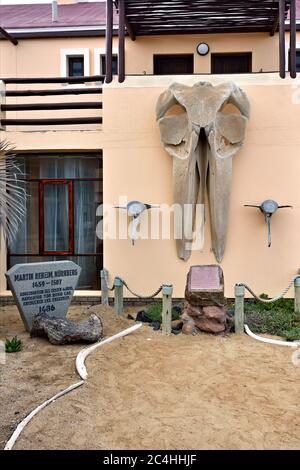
(268, 208)
(135, 209)
(203, 48)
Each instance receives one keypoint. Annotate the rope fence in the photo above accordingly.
(239, 316)
(118, 286)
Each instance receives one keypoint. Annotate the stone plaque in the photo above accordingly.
(43, 288)
(205, 286)
(205, 278)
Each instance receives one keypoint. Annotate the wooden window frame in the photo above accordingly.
(42, 184)
(236, 54)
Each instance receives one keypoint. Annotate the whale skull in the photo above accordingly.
(202, 137)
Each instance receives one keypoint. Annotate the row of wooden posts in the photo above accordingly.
(118, 286)
(239, 314)
(167, 290)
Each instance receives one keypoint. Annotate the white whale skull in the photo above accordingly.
(202, 137)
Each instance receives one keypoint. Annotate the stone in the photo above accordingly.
(189, 328)
(193, 311)
(176, 324)
(143, 317)
(215, 313)
(202, 140)
(155, 325)
(64, 331)
(205, 286)
(209, 325)
(46, 287)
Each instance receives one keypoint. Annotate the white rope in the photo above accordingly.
(11, 442)
(269, 301)
(292, 344)
(82, 355)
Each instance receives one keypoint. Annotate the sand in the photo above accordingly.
(149, 391)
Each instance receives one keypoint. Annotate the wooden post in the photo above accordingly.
(108, 41)
(121, 55)
(2, 101)
(282, 38)
(167, 291)
(239, 317)
(297, 295)
(293, 35)
(104, 286)
(118, 296)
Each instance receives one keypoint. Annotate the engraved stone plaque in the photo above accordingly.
(43, 288)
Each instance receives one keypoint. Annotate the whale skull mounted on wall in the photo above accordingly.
(202, 137)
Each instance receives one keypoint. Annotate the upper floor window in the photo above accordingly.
(74, 62)
(231, 63)
(173, 64)
(114, 65)
(75, 66)
(100, 61)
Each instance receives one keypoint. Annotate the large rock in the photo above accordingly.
(63, 331)
(205, 286)
(209, 325)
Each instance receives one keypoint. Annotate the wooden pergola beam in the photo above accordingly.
(121, 42)
(275, 25)
(282, 38)
(293, 34)
(8, 36)
(108, 41)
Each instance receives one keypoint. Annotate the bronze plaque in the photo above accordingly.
(205, 278)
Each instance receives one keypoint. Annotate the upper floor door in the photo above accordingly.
(173, 64)
(231, 63)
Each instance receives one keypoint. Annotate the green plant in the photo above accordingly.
(13, 345)
(154, 312)
(276, 318)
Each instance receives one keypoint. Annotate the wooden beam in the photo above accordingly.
(49, 106)
(275, 25)
(293, 72)
(129, 29)
(51, 122)
(62, 91)
(109, 40)
(282, 38)
(121, 54)
(90, 78)
(8, 36)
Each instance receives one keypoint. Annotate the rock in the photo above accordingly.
(176, 324)
(130, 317)
(193, 311)
(216, 313)
(189, 327)
(155, 325)
(205, 286)
(209, 325)
(143, 317)
(175, 332)
(64, 331)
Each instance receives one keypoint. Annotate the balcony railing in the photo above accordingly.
(69, 88)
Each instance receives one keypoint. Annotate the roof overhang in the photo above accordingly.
(148, 17)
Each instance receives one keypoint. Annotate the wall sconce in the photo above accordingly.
(135, 209)
(202, 48)
(268, 208)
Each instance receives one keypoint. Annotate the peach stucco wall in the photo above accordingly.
(136, 166)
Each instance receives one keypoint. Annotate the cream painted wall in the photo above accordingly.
(41, 57)
(136, 166)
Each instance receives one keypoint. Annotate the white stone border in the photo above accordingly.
(81, 369)
(65, 53)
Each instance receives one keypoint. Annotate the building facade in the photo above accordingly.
(106, 147)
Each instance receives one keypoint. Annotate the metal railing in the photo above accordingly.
(7, 107)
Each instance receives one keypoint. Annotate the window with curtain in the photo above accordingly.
(64, 192)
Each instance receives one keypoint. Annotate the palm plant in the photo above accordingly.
(12, 192)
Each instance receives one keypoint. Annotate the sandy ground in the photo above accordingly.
(149, 391)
